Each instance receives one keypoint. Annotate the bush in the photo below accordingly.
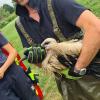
(5, 21)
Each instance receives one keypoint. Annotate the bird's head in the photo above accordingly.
(48, 42)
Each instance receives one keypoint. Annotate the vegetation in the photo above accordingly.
(93, 5)
(6, 15)
(46, 82)
(8, 8)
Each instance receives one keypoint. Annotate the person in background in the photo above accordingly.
(14, 84)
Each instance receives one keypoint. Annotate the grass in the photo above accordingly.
(46, 82)
(11, 34)
(93, 5)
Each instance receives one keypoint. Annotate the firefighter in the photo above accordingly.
(36, 19)
(14, 84)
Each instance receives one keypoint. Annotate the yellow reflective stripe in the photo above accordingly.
(31, 75)
(37, 92)
(16, 60)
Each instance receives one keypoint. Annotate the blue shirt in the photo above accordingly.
(3, 41)
(66, 11)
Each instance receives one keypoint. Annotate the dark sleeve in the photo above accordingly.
(3, 40)
(71, 10)
(23, 40)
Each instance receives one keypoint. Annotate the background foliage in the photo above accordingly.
(6, 15)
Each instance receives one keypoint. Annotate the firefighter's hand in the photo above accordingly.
(36, 55)
(2, 71)
(69, 71)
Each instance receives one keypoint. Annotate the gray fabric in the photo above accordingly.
(56, 28)
(87, 88)
(25, 34)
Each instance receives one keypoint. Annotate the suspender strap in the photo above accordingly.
(56, 28)
(25, 34)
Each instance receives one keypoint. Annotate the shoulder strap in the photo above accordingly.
(25, 34)
(56, 28)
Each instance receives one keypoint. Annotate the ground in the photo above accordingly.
(46, 81)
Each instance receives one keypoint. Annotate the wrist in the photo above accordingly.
(79, 65)
(74, 72)
(79, 71)
(3, 69)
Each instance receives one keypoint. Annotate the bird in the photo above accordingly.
(54, 49)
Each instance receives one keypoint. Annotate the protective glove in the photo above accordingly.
(35, 55)
(69, 71)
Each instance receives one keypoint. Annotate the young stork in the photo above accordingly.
(54, 49)
(65, 49)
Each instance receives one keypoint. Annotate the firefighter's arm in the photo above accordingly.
(90, 25)
(12, 54)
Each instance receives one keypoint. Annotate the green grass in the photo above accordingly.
(46, 81)
(11, 34)
(93, 5)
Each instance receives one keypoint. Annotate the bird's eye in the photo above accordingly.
(46, 43)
